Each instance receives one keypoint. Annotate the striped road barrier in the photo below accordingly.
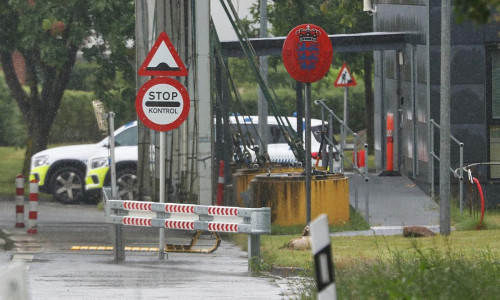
(33, 207)
(251, 221)
(20, 201)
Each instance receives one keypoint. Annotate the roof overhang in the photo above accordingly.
(358, 42)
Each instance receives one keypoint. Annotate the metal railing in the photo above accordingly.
(459, 175)
(344, 129)
(251, 221)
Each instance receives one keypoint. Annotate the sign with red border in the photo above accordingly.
(307, 53)
(162, 104)
(163, 60)
(344, 78)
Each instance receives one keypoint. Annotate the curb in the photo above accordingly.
(287, 271)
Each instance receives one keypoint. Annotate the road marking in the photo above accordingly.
(22, 257)
(110, 248)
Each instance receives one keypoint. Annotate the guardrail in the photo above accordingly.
(251, 221)
(459, 175)
(357, 170)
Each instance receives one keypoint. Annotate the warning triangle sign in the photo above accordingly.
(344, 78)
(163, 60)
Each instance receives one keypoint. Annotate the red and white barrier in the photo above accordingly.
(179, 208)
(222, 227)
(254, 220)
(251, 221)
(134, 205)
(175, 224)
(137, 221)
(222, 211)
(33, 207)
(20, 201)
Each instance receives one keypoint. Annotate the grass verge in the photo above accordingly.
(464, 265)
(11, 164)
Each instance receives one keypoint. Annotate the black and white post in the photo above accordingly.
(322, 251)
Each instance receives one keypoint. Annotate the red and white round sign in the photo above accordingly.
(162, 104)
(307, 53)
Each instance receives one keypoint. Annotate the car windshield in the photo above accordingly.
(128, 137)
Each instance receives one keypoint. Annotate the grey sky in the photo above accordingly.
(221, 20)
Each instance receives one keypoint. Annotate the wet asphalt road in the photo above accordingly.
(56, 272)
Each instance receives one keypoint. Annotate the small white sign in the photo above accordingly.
(13, 285)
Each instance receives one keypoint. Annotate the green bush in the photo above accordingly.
(81, 75)
(283, 86)
(12, 128)
(75, 121)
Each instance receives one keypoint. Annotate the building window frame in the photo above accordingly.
(492, 52)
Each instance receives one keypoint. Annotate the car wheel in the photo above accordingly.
(127, 183)
(68, 185)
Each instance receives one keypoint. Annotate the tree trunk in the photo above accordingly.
(369, 105)
(39, 108)
(37, 141)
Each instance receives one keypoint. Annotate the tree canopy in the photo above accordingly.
(49, 35)
(479, 11)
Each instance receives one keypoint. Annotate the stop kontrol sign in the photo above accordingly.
(162, 104)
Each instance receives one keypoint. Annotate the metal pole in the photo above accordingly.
(262, 102)
(323, 144)
(117, 234)
(444, 149)
(367, 196)
(253, 251)
(300, 109)
(204, 105)
(330, 147)
(355, 169)
(461, 176)
(308, 149)
(431, 157)
(343, 131)
(162, 191)
(114, 192)
(342, 139)
(346, 107)
(143, 24)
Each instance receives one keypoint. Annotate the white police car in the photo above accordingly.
(61, 171)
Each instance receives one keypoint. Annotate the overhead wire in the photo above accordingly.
(248, 140)
(290, 135)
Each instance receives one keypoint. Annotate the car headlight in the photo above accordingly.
(40, 161)
(99, 162)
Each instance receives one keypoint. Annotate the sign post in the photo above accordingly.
(307, 56)
(344, 79)
(162, 103)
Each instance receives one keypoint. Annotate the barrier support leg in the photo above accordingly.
(118, 245)
(253, 252)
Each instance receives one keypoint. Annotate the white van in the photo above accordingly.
(126, 157)
(278, 149)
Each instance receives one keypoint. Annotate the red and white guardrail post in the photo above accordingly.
(20, 201)
(33, 207)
